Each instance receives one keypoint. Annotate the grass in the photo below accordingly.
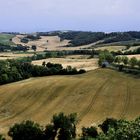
(94, 95)
(111, 48)
(5, 39)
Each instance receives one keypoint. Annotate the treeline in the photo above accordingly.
(63, 127)
(117, 37)
(108, 57)
(83, 38)
(60, 54)
(30, 37)
(19, 47)
(16, 70)
(122, 63)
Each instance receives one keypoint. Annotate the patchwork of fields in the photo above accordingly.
(94, 96)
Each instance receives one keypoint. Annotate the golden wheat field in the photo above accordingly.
(94, 96)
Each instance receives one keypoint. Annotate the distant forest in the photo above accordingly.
(78, 38)
(83, 38)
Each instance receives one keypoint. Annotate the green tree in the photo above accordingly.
(133, 62)
(26, 130)
(118, 59)
(4, 78)
(89, 132)
(62, 126)
(105, 56)
(101, 58)
(44, 63)
(109, 122)
(34, 47)
(125, 60)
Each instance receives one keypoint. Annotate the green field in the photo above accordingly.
(94, 96)
(5, 39)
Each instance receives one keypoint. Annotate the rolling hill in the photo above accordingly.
(5, 39)
(94, 96)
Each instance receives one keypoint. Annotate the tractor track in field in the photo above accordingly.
(93, 100)
(126, 101)
(28, 97)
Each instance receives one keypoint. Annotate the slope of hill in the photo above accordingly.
(46, 42)
(94, 95)
(6, 39)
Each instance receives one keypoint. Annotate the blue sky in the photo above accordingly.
(86, 15)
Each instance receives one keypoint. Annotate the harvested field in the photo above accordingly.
(111, 48)
(94, 96)
(87, 64)
(10, 55)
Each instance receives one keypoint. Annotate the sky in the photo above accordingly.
(85, 15)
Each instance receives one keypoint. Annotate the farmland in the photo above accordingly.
(94, 96)
(78, 63)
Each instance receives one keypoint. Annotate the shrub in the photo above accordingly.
(89, 132)
(26, 130)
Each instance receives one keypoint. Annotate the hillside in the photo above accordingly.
(6, 39)
(94, 95)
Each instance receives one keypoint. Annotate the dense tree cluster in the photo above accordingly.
(105, 56)
(14, 70)
(110, 58)
(82, 38)
(18, 47)
(118, 37)
(63, 127)
(136, 51)
(29, 37)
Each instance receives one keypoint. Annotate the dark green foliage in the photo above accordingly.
(81, 71)
(33, 37)
(118, 59)
(105, 56)
(136, 51)
(34, 47)
(121, 67)
(26, 130)
(89, 132)
(122, 130)
(63, 127)
(50, 132)
(125, 60)
(2, 138)
(133, 61)
(5, 48)
(82, 38)
(15, 70)
(24, 40)
(30, 38)
(118, 37)
(109, 122)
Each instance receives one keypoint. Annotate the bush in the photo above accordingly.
(63, 127)
(26, 130)
(89, 132)
(109, 122)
